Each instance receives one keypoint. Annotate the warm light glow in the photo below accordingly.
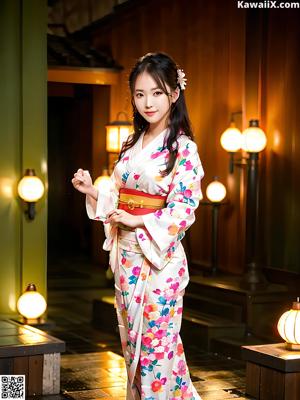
(30, 188)
(289, 325)
(231, 139)
(216, 191)
(115, 136)
(31, 304)
(103, 182)
(6, 188)
(253, 138)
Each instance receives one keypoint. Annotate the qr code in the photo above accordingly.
(12, 387)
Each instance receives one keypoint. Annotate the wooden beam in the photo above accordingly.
(83, 75)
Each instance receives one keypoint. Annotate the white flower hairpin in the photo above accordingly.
(181, 80)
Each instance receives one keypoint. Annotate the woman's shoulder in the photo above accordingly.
(185, 144)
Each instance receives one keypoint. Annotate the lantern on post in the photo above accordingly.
(216, 193)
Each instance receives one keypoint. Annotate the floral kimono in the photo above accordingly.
(150, 267)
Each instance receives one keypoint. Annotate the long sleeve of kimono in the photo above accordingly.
(166, 227)
(106, 202)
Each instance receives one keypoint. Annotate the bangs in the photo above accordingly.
(158, 77)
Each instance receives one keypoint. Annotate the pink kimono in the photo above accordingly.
(150, 267)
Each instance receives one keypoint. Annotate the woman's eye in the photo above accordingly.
(138, 95)
(157, 93)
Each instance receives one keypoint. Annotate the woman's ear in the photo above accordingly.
(175, 94)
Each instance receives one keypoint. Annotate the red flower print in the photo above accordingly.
(158, 213)
(181, 368)
(145, 362)
(181, 271)
(136, 177)
(159, 356)
(188, 211)
(185, 152)
(179, 310)
(141, 236)
(138, 299)
(122, 279)
(160, 333)
(155, 386)
(174, 286)
(136, 271)
(157, 291)
(179, 349)
(123, 260)
(146, 340)
(170, 355)
(155, 155)
(187, 193)
(188, 166)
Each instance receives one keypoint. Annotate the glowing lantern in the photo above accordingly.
(216, 191)
(31, 304)
(231, 139)
(116, 133)
(253, 138)
(289, 327)
(103, 182)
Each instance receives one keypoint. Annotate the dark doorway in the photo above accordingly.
(70, 109)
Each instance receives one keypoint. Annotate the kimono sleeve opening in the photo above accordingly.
(167, 226)
(106, 202)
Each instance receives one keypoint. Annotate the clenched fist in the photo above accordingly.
(82, 181)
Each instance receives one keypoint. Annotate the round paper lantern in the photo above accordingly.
(31, 304)
(254, 139)
(30, 187)
(289, 327)
(231, 139)
(216, 191)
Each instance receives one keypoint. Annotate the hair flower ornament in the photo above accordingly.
(181, 80)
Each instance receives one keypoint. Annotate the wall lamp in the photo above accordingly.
(215, 192)
(30, 189)
(253, 140)
(116, 133)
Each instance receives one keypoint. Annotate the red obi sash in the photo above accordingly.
(136, 202)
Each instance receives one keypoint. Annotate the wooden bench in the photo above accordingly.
(272, 372)
(28, 351)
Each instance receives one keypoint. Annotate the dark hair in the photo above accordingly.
(164, 72)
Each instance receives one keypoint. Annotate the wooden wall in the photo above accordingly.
(280, 189)
(234, 61)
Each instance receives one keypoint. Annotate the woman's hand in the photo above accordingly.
(118, 216)
(82, 181)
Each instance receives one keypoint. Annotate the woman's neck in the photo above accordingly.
(154, 130)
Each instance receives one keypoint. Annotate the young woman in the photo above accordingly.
(155, 189)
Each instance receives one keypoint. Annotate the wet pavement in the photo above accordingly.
(93, 368)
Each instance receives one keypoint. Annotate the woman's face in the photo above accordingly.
(151, 102)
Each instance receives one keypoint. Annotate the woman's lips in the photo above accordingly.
(150, 113)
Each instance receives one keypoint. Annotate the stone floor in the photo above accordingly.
(93, 368)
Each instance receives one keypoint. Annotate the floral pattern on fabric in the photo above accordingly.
(150, 268)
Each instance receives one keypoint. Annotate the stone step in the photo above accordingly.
(210, 305)
(270, 302)
(199, 328)
(231, 347)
